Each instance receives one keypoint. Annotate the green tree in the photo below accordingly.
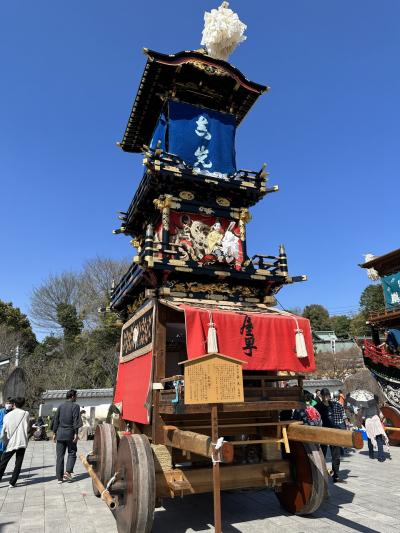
(67, 317)
(318, 316)
(16, 322)
(341, 325)
(358, 326)
(372, 299)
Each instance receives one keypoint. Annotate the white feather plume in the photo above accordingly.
(223, 31)
(371, 272)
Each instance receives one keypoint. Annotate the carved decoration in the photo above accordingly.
(204, 239)
(223, 202)
(212, 288)
(213, 70)
(206, 210)
(163, 203)
(136, 335)
(186, 195)
(244, 218)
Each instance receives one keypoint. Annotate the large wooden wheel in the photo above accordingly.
(105, 446)
(392, 416)
(136, 479)
(309, 486)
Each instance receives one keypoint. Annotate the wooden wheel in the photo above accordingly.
(105, 451)
(392, 416)
(136, 482)
(309, 487)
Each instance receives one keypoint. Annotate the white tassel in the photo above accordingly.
(371, 272)
(212, 343)
(301, 349)
(223, 31)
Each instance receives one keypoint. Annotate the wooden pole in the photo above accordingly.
(195, 443)
(318, 435)
(216, 472)
(111, 502)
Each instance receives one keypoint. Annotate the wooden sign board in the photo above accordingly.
(213, 378)
(137, 334)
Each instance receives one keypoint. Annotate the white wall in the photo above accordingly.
(48, 407)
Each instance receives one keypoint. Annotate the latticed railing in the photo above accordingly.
(378, 354)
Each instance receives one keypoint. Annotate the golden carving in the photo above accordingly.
(223, 202)
(210, 69)
(136, 304)
(163, 203)
(186, 195)
(210, 288)
(244, 217)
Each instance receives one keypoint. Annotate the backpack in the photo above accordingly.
(313, 416)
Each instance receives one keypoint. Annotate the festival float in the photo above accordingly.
(382, 352)
(200, 393)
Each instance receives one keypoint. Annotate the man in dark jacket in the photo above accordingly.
(66, 424)
(332, 416)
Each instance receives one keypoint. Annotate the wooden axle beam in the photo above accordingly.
(190, 441)
(200, 480)
(111, 502)
(318, 435)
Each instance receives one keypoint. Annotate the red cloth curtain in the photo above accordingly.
(132, 388)
(265, 341)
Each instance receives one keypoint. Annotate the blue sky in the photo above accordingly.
(328, 129)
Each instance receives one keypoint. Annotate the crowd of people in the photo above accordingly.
(325, 411)
(320, 410)
(16, 429)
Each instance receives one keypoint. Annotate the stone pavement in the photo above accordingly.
(368, 503)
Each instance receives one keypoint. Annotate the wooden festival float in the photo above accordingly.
(382, 352)
(204, 354)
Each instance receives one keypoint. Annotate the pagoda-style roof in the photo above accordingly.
(385, 264)
(192, 77)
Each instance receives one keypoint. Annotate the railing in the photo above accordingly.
(379, 355)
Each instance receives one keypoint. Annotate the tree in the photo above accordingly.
(372, 299)
(97, 278)
(86, 291)
(318, 316)
(358, 326)
(69, 320)
(338, 365)
(55, 291)
(16, 322)
(341, 325)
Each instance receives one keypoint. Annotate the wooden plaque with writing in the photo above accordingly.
(213, 378)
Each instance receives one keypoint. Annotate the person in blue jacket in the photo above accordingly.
(3, 411)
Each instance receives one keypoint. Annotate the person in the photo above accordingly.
(377, 438)
(39, 428)
(318, 395)
(86, 428)
(341, 398)
(66, 424)
(3, 411)
(332, 415)
(309, 416)
(15, 433)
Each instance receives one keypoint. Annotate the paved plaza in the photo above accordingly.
(369, 502)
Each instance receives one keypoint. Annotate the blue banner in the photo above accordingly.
(391, 290)
(203, 138)
(159, 133)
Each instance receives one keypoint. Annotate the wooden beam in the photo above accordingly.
(319, 435)
(232, 407)
(194, 443)
(200, 480)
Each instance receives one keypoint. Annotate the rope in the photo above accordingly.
(216, 456)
